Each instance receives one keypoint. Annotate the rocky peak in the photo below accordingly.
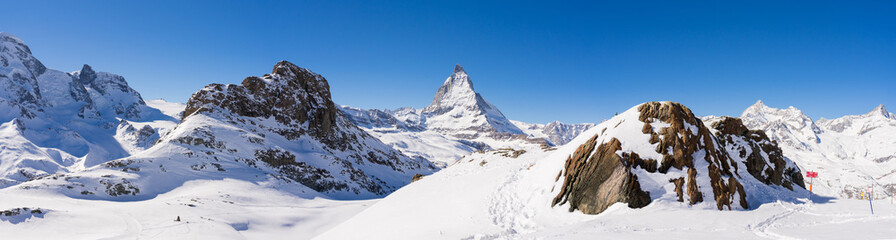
(456, 91)
(456, 106)
(293, 96)
(880, 110)
(86, 75)
(19, 71)
(458, 68)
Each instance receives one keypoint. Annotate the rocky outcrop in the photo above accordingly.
(293, 96)
(593, 182)
(606, 170)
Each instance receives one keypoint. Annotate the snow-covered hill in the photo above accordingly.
(458, 122)
(655, 156)
(849, 153)
(52, 121)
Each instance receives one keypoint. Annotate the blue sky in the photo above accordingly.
(536, 61)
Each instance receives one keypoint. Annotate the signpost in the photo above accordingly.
(811, 176)
(870, 195)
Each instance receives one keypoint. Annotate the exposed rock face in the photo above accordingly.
(293, 96)
(605, 169)
(593, 182)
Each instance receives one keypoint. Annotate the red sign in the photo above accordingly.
(812, 174)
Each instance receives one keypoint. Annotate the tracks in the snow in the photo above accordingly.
(762, 229)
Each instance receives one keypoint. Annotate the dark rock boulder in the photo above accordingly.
(594, 182)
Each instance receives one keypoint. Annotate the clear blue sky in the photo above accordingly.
(536, 61)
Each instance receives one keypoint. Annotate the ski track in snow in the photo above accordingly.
(508, 211)
(762, 229)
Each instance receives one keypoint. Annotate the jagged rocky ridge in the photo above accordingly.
(280, 130)
(52, 121)
(631, 157)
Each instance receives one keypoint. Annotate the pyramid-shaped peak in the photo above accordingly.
(459, 69)
(759, 103)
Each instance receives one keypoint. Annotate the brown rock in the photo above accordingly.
(594, 183)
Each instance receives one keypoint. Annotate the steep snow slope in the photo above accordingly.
(54, 121)
(509, 193)
(849, 153)
(280, 130)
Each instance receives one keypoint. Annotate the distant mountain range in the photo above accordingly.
(849, 153)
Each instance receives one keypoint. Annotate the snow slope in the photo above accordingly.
(208, 209)
(849, 153)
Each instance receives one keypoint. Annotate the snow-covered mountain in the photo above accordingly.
(459, 111)
(556, 132)
(53, 121)
(656, 156)
(849, 153)
(280, 130)
(458, 122)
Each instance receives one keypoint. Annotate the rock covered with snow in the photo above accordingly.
(637, 156)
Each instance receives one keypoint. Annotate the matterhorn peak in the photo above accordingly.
(458, 68)
(456, 102)
(759, 104)
(456, 91)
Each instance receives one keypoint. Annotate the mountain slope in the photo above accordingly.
(280, 130)
(850, 153)
(54, 121)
